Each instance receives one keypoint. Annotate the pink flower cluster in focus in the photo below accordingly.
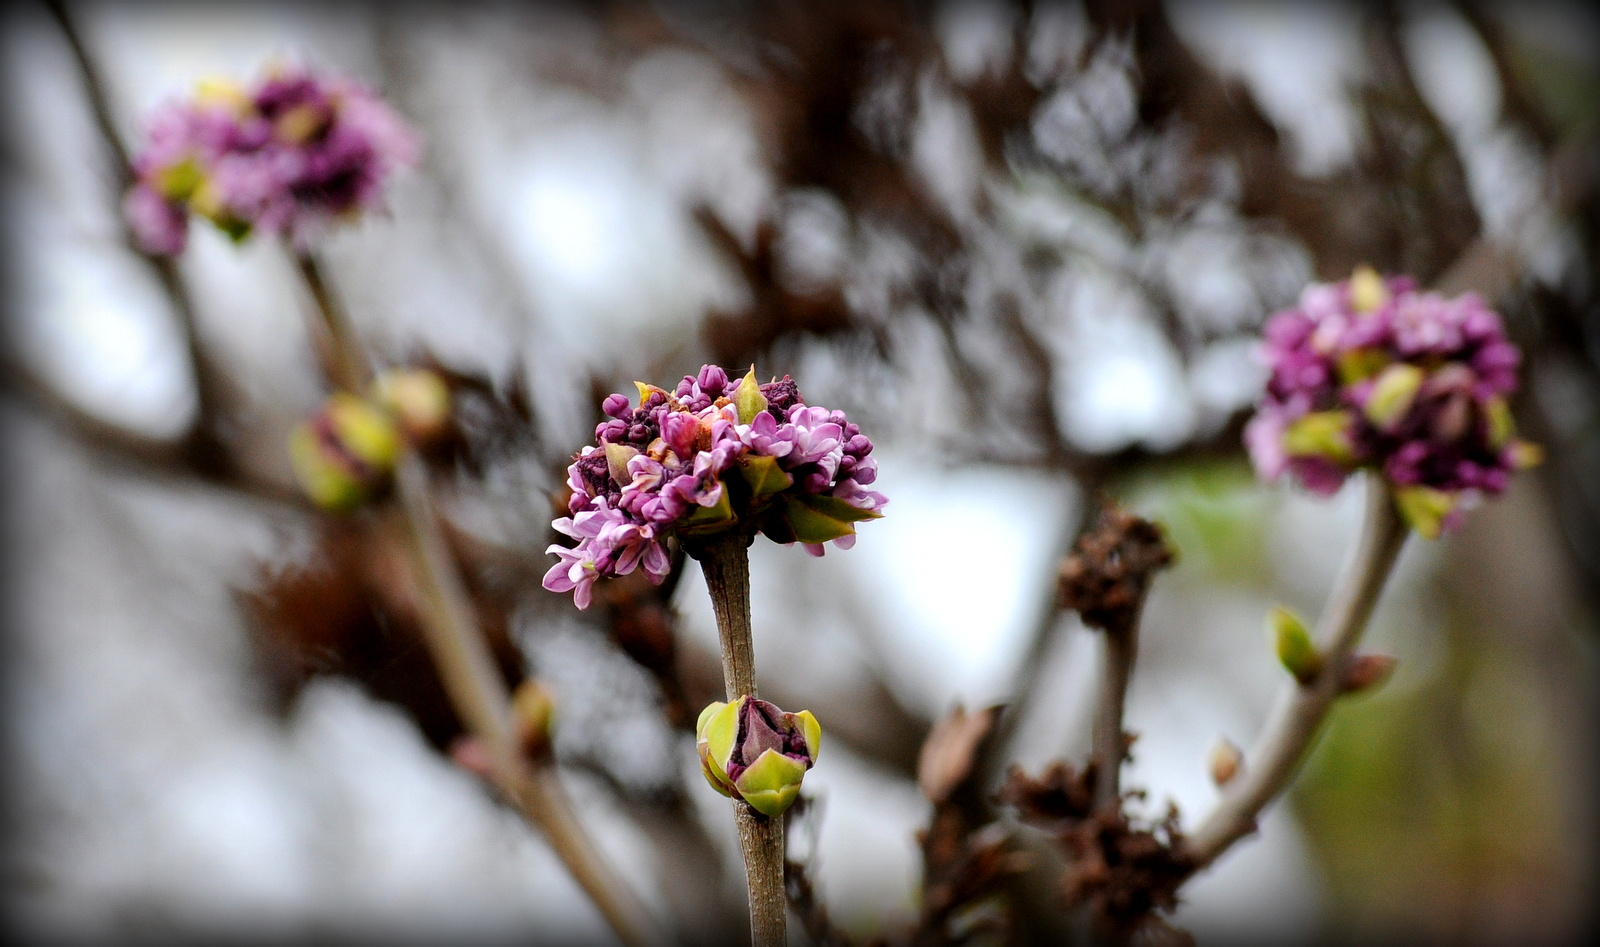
(713, 455)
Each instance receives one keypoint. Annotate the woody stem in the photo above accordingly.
(725, 563)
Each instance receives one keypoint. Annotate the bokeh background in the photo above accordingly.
(1027, 246)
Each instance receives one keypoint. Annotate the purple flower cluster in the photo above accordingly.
(1372, 373)
(290, 155)
(711, 456)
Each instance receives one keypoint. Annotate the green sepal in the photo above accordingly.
(838, 509)
(771, 783)
(706, 519)
(748, 399)
(807, 723)
(764, 476)
(1293, 643)
(1501, 425)
(715, 733)
(1425, 509)
(1358, 364)
(1368, 291)
(617, 457)
(178, 182)
(810, 525)
(1393, 394)
(1323, 434)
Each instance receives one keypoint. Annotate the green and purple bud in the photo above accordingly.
(345, 453)
(751, 750)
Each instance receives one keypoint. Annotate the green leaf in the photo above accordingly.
(748, 399)
(707, 519)
(835, 508)
(1393, 394)
(763, 476)
(812, 526)
(1293, 643)
(617, 457)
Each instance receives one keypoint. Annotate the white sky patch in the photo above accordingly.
(959, 557)
(1124, 383)
(94, 322)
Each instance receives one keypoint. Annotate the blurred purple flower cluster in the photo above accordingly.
(709, 457)
(1372, 373)
(289, 155)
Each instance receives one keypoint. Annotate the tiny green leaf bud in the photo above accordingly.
(751, 750)
(1425, 508)
(1323, 434)
(1501, 425)
(531, 709)
(1226, 760)
(1393, 394)
(1366, 672)
(1293, 643)
(419, 399)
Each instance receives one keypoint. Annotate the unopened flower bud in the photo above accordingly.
(1293, 643)
(531, 710)
(1226, 761)
(1365, 672)
(344, 452)
(420, 401)
(751, 750)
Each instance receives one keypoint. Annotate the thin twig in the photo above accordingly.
(1300, 710)
(725, 561)
(1110, 743)
(466, 668)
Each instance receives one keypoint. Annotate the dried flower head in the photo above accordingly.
(290, 154)
(1371, 373)
(709, 457)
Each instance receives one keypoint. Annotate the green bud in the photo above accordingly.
(748, 399)
(1393, 394)
(1425, 508)
(344, 452)
(751, 750)
(532, 708)
(1293, 643)
(1323, 434)
(419, 400)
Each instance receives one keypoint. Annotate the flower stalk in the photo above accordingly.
(1301, 708)
(459, 652)
(725, 562)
